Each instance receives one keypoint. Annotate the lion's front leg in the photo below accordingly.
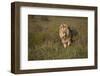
(69, 43)
(65, 45)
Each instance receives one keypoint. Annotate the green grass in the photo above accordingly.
(44, 42)
(56, 52)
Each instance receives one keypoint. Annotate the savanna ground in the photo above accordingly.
(44, 42)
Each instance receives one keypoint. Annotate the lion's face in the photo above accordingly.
(63, 28)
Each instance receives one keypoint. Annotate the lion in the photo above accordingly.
(65, 35)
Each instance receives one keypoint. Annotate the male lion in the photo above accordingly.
(65, 35)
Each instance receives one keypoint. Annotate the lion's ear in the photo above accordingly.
(61, 26)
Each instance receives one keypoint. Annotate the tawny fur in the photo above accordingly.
(65, 35)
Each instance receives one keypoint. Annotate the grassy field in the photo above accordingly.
(44, 42)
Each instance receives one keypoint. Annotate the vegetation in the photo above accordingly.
(44, 42)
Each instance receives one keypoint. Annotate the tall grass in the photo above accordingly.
(44, 42)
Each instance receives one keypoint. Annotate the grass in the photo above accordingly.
(44, 42)
(46, 52)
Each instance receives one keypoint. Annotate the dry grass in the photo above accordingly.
(44, 42)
